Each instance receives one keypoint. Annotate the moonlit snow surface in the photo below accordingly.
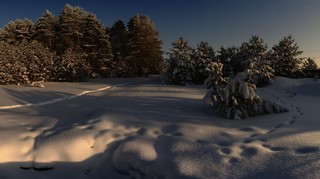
(138, 128)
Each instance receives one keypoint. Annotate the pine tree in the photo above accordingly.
(284, 58)
(44, 29)
(254, 55)
(69, 28)
(309, 64)
(96, 44)
(255, 48)
(17, 31)
(119, 41)
(180, 65)
(204, 55)
(145, 54)
(229, 58)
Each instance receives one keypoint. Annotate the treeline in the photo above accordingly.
(75, 46)
(187, 65)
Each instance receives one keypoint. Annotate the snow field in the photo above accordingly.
(157, 131)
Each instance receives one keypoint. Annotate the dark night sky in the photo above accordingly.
(220, 22)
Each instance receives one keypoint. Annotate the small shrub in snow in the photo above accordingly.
(39, 84)
(235, 98)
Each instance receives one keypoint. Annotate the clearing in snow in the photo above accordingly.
(138, 128)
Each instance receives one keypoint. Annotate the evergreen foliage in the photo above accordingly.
(229, 58)
(72, 66)
(309, 64)
(96, 45)
(119, 41)
(235, 97)
(77, 46)
(17, 31)
(144, 45)
(44, 30)
(25, 63)
(284, 58)
(180, 65)
(69, 28)
(204, 55)
(255, 57)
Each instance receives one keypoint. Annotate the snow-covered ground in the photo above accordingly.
(138, 128)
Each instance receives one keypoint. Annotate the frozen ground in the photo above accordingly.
(137, 128)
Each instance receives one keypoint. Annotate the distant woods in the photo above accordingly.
(75, 46)
(187, 65)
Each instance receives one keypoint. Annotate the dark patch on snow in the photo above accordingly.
(178, 134)
(247, 129)
(201, 141)
(169, 129)
(43, 168)
(292, 121)
(254, 135)
(226, 150)
(279, 125)
(249, 152)
(270, 131)
(141, 131)
(275, 149)
(246, 141)
(25, 168)
(224, 143)
(307, 150)
(233, 160)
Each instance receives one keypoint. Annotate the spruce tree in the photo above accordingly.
(229, 58)
(145, 54)
(204, 55)
(284, 58)
(180, 65)
(44, 29)
(235, 97)
(254, 55)
(119, 41)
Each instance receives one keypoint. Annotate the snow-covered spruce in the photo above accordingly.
(180, 65)
(236, 97)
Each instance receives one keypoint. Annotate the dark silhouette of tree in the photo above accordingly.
(144, 45)
(119, 41)
(96, 45)
(69, 28)
(309, 64)
(284, 58)
(229, 58)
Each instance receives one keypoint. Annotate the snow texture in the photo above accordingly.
(141, 129)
